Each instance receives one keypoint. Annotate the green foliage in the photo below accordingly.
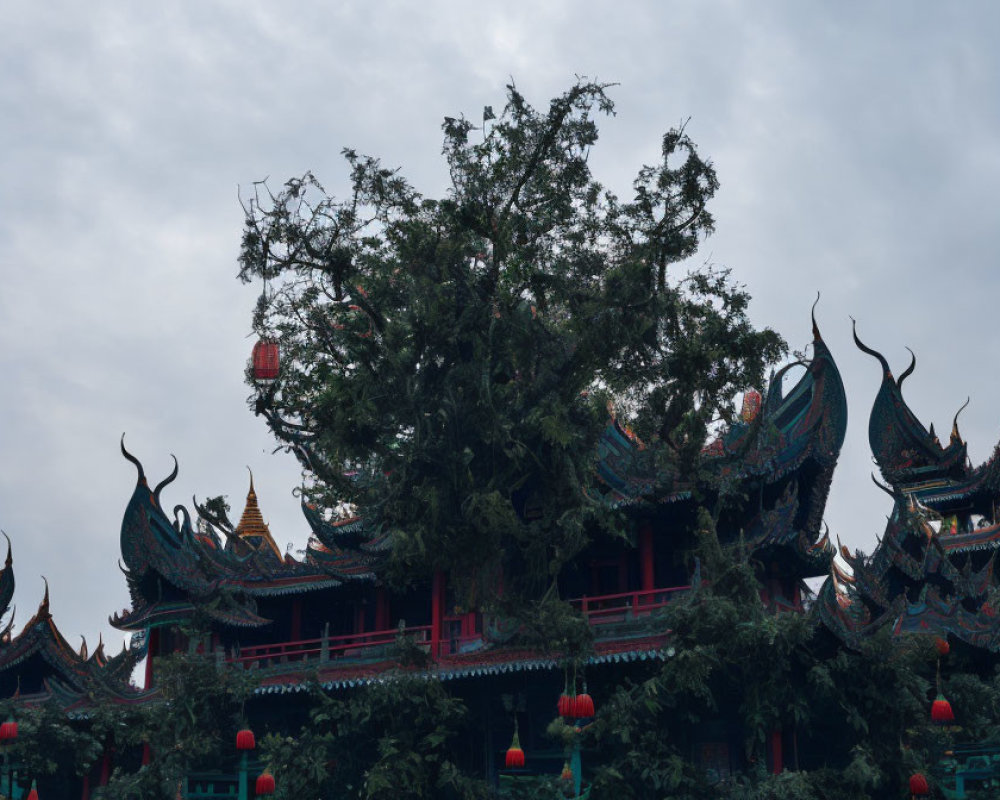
(190, 726)
(448, 361)
(387, 740)
(866, 714)
(50, 747)
(549, 625)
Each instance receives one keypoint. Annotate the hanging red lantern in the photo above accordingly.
(33, 794)
(942, 646)
(941, 711)
(566, 705)
(918, 785)
(8, 731)
(265, 784)
(583, 707)
(245, 740)
(515, 755)
(266, 360)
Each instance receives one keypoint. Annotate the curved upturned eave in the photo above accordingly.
(7, 581)
(903, 448)
(807, 421)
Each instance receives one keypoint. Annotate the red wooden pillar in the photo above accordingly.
(647, 556)
(85, 795)
(152, 651)
(359, 617)
(296, 619)
(776, 758)
(105, 768)
(382, 622)
(437, 612)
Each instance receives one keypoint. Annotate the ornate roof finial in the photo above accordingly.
(10, 555)
(908, 371)
(955, 437)
(142, 475)
(866, 349)
(816, 336)
(166, 481)
(252, 528)
(43, 609)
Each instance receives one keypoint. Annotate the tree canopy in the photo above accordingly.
(449, 362)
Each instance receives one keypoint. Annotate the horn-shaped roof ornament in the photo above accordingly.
(166, 481)
(129, 457)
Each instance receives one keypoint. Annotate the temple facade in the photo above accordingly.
(933, 569)
(328, 616)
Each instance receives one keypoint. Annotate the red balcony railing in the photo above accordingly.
(626, 606)
(329, 648)
(459, 633)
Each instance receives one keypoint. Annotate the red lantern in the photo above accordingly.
(265, 360)
(584, 706)
(942, 646)
(33, 794)
(515, 755)
(751, 406)
(245, 740)
(265, 784)
(566, 705)
(8, 731)
(941, 711)
(918, 785)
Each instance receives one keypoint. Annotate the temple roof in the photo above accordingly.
(252, 528)
(808, 421)
(905, 451)
(925, 576)
(174, 572)
(805, 425)
(74, 677)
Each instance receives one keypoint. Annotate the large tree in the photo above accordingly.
(448, 363)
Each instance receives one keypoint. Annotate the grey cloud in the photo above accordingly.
(857, 146)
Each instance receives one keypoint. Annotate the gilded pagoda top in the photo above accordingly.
(252, 528)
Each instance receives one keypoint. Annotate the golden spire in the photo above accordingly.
(252, 528)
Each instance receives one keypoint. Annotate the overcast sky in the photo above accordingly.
(857, 143)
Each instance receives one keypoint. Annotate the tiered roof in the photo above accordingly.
(52, 669)
(933, 570)
(794, 442)
(221, 571)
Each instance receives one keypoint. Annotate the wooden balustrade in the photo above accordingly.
(458, 633)
(624, 606)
